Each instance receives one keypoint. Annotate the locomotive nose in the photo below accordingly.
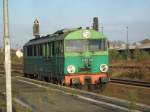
(87, 57)
(87, 62)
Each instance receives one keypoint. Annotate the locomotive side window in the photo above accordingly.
(50, 49)
(61, 47)
(29, 50)
(44, 49)
(25, 51)
(56, 47)
(40, 50)
(53, 49)
(34, 50)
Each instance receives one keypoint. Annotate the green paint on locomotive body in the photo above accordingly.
(55, 64)
(79, 35)
(78, 58)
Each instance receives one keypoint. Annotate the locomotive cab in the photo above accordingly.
(86, 58)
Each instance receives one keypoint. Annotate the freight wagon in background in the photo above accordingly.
(72, 57)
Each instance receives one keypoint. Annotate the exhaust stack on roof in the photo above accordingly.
(36, 29)
(95, 24)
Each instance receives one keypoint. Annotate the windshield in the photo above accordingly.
(82, 45)
(76, 45)
(97, 45)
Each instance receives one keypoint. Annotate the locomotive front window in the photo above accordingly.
(97, 45)
(76, 45)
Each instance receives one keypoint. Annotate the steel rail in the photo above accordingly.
(128, 67)
(112, 80)
(130, 82)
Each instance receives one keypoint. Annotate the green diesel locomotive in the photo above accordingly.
(69, 57)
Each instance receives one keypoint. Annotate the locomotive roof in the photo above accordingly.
(64, 33)
(58, 35)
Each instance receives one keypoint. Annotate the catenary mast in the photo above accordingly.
(7, 56)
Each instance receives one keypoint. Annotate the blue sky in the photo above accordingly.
(53, 15)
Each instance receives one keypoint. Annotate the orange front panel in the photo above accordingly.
(94, 77)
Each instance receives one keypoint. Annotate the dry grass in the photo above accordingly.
(51, 96)
(20, 108)
(2, 104)
(131, 93)
(141, 73)
(14, 59)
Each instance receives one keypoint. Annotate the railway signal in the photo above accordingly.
(7, 56)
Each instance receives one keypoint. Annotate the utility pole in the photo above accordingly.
(7, 56)
(127, 44)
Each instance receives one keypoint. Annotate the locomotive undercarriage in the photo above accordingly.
(88, 84)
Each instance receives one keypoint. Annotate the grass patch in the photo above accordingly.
(20, 108)
(50, 96)
(74, 94)
(132, 98)
(2, 103)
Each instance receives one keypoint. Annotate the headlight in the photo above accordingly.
(86, 33)
(71, 69)
(103, 68)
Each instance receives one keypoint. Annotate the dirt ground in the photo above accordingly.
(47, 100)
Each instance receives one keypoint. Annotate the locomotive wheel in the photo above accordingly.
(78, 86)
(99, 87)
(88, 87)
(102, 87)
(25, 75)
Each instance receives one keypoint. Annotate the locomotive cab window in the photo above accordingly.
(93, 45)
(97, 45)
(76, 45)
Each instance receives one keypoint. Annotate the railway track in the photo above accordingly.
(128, 67)
(131, 82)
(20, 66)
(13, 66)
(87, 96)
(137, 83)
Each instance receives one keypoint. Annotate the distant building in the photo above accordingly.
(19, 53)
(121, 46)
